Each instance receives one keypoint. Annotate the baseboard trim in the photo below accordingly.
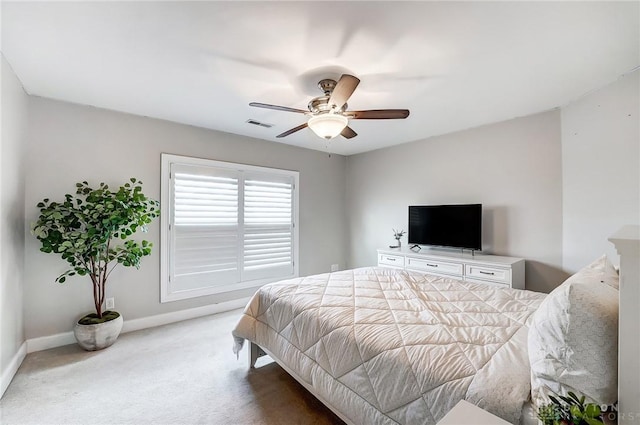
(14, 365)
(50, 341)
(66, 338)
(179, 316)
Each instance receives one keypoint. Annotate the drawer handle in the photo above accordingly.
(489, 273)
(391, 259)
(432, 265)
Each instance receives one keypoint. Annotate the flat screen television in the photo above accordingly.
(452, 226)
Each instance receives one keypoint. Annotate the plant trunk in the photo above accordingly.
(96, 297)
(102, 277)
(95, 280)
(103, 283)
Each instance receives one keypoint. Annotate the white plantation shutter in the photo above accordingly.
(205, 227)
(228, 226)
(268, 227)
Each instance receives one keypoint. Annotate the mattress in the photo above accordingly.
(387, 346)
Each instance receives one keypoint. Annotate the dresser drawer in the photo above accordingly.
(391, 260)
(435, 266)
(492, 274)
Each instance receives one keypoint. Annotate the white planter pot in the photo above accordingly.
(98, 336)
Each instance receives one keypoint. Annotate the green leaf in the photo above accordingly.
(567, 400)
(592, 410)
(576, 412)
(555, 400)
(573, 396)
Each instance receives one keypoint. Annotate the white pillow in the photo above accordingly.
(573, 340)
(605, 271)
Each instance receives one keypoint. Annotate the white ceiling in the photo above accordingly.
(455, 65)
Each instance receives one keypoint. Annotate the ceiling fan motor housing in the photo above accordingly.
(319, 105)
(327, 85)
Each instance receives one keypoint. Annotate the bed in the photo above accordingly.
(388, 346)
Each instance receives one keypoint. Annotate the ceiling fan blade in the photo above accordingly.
(379, 114)
(293, 130)
(348, 133)
(277, 108)
(343, 90)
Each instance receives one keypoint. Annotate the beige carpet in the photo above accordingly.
(183, 373)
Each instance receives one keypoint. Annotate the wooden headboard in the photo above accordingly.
(627, 243)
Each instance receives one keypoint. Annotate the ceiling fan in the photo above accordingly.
(328, 113)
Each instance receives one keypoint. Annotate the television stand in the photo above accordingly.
(481, 268)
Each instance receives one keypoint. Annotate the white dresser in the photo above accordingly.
(492, 269)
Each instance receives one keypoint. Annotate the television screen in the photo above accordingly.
(455, 226)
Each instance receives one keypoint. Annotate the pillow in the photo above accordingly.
(610, 274)
(573, 339)
(601, 269)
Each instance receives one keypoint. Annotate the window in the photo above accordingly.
(225, 226)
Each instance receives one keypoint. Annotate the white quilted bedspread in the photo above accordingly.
(388, 346)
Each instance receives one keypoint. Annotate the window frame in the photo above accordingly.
(166, 208)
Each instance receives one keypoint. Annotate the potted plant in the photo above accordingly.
(91, 231)
(397, 236)
(570, 410)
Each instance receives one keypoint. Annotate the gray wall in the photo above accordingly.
(70, 143)
(601, 169)
(12, 172)
(513, 168)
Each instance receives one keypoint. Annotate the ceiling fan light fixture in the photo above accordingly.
(328, 125)
(329, 114)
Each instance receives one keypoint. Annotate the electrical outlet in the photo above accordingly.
(334, 267)
(111, 303)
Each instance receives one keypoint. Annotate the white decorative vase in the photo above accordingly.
(98, 336)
